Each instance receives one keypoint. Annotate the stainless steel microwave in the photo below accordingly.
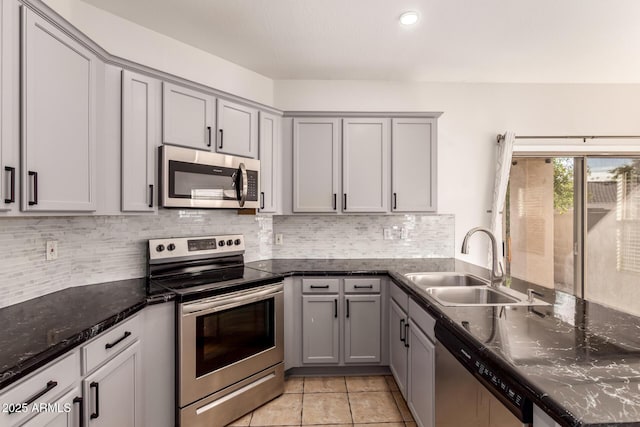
(192, 178)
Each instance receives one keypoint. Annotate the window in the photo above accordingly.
(573, 225)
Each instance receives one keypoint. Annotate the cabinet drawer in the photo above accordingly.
(109, 343)
(42, 387)
(362, 285)
(399, 296)
(320, 286)
(418, 316)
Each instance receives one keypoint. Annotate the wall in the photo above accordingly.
(473, 114)
(100, 249)
(361, 236)
(139, 44)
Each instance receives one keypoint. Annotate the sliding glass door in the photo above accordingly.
(573, 225)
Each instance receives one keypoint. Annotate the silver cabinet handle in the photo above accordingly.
(245, 185)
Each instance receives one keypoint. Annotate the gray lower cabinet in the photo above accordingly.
(398, 358)
(113, 392)
(67, 412)
(362, 329)
(421, 384)
(320, 329)
(58, 119)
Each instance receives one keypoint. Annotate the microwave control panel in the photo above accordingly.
(252, 185)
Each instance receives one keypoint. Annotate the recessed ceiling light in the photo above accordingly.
(409, 18)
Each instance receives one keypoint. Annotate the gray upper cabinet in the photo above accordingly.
(413, 168)
(58, 134)
(362, 329)
(316, 160)
(320, 329)
(9, 106)
(270, 125)
(187, 117)
(237, 132)
(140, 117)
(365, 165)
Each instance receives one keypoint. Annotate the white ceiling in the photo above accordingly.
(582, 41)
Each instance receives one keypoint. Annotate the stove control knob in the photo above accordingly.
(221, 243)
(237, 242)
(159, 248)
(229, 242)
(171, 246)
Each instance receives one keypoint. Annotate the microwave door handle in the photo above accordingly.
(244, 185)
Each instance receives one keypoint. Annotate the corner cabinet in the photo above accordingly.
(58, 126)
(187, 117)
(270, 125)
(140, 117)
(414, 165)
(316, 164)
(237, 129)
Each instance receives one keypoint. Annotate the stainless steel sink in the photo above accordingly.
(437, 279)
(459, 289)
(471, 296)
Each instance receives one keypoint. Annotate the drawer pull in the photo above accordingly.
(80, 400)
(319, 286)
(363, 287)
(126, 335)
(50, 386)
(96, 414)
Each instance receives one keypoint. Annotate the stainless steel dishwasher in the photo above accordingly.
(469, 394)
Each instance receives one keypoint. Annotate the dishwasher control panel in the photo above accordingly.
(509, 392)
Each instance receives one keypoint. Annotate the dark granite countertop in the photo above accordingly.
(38, 331)
(578, 361)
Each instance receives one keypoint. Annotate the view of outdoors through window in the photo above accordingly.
(554, 204)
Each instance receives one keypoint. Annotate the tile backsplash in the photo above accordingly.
(106, 248)
(362, 236)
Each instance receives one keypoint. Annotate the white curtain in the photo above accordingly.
(503, 168)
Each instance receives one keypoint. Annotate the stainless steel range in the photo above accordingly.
(230, 347)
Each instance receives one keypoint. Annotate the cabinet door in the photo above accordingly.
(316, 159)
(362, 329)
(413, 168)
(237, 129)
(139, 141)
(421, 384)
(365, 165)
(398, 350)
(58, 140)
(9, 105)
(187, 117)
(112, 393)
(67, 412)
(320, 333)
(269, 161)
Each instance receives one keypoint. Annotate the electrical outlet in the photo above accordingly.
(52, 250)
(404, 233)
(279, 239)
(386, 233)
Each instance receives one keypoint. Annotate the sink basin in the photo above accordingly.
(471, 296)
(438, 279)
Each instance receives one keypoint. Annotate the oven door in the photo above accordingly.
(228, 338)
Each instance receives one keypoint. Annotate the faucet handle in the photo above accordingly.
(501, 268)
(531, 293)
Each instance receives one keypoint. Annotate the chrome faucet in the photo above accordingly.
(497, 273)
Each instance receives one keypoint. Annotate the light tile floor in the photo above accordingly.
(372, 401)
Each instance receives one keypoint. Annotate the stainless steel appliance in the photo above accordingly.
(469, 393)
(230, 343)
(192, 178)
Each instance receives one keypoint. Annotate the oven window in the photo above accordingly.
(228, 336)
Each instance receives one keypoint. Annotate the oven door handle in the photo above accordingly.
(224, 302)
